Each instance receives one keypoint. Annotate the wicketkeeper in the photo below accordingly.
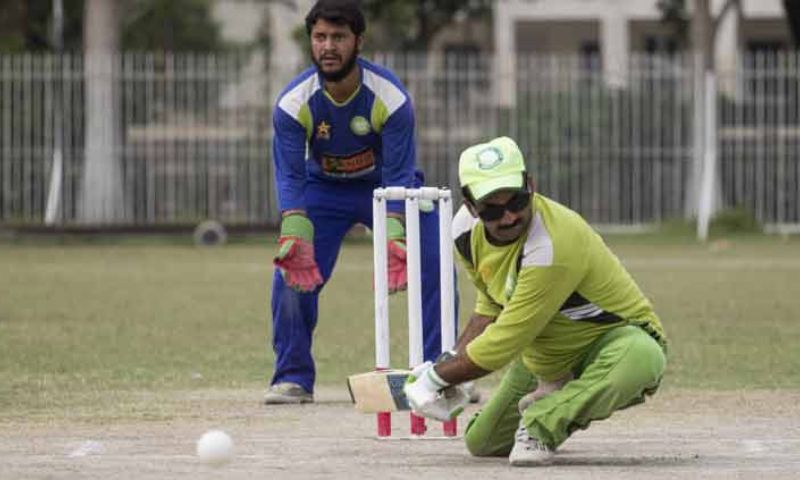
(554, 302)
(342, 128)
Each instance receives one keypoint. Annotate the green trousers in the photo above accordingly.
(619, 370)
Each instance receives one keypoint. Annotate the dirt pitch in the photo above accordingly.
(677, 434)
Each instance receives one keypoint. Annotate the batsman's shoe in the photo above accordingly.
(528, 451)
(287, 393)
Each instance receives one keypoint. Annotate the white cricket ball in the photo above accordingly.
(215, 447)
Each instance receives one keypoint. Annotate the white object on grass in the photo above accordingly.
(89, 447)
(215, 447)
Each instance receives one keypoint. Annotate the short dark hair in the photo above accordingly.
(340, 12)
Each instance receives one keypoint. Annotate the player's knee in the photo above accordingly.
(477, 447)
(475, 439)
(471, 439)
(644, 366)
(483, 440)
(651, 358)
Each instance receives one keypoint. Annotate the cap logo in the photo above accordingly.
(489, 158)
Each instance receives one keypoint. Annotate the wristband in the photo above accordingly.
(297, 225)
(446, 355)
(395, 229)
(432, 381)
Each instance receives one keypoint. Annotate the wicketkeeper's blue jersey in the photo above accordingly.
(368, 139)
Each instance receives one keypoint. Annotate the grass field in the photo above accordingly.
(97, 329)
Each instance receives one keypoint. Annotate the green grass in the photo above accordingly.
(89, 327)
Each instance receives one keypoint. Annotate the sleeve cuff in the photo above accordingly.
(487, 310)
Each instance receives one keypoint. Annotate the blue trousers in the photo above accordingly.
(334, 209)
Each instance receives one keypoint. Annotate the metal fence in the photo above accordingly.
(188, 136)
(181, 138)
(759, 138)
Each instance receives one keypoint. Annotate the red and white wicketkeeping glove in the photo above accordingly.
(295, 259)
(396, 253)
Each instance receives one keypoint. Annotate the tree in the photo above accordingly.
(673, 13)
(704, 24)
(792, 9)
(703, 195)
(182, 25)
(101, 190)
(12, 25)
(152, 24)
(101, 28)
(25, 25)
(412, 24)
(174, 25)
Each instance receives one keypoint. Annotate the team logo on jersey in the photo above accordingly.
(359, 125)
(344, 166)
(323, 131)
(489, 158)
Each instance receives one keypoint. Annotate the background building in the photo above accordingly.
(616, 29)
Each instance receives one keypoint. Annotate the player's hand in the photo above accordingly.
(430, 396)
(396, 253)
(543, 389)
(295, 259)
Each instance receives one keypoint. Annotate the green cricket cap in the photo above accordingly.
(491, 166)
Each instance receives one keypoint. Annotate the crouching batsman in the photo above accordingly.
(554, 303)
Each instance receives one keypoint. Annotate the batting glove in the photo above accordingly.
(295, 259)
(430, 396)
(397, 268)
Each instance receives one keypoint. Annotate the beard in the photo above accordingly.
(507, 234)
(510, 226)
(337, 75)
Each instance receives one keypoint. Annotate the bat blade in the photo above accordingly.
(379, 391)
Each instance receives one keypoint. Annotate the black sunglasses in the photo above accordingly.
(515, 204)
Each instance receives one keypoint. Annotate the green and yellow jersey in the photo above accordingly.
(553, 292)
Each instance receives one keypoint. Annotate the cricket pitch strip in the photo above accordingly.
(676, 434)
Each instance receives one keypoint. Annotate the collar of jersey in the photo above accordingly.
(352, 95)
(342, 104)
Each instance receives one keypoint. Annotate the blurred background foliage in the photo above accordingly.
(188, 25)
(175, 25)
(412, 24)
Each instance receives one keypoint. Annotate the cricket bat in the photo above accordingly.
(379, 391)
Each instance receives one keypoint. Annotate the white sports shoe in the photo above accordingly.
(528, 451)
